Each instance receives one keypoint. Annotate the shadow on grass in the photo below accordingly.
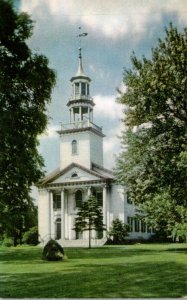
(34, 254)
(179, 250)
(140, 280)
(24, 255)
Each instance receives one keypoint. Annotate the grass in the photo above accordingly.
(133, 271)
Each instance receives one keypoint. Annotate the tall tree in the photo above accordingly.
(89, 217)
(26, 82)
(153, 160)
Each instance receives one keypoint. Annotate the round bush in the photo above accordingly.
(53, 251)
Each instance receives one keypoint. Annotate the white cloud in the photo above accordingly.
(113, 19)
(50, 133)
(106, 106)
(122, 87)
(176, 6)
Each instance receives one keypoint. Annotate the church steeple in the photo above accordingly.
(81, 141)
(80, 104)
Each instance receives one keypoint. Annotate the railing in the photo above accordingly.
(80, 97)
(82, 124)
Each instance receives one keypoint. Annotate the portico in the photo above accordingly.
(64, 200)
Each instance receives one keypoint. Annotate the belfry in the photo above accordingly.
(81, 173)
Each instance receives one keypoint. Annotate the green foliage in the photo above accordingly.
(153, 160)
(26, 83)
(160, 213)
(180, 227)
(118, 231)
(8, 241)
(89, 217)
(53, 251)
(30, 237)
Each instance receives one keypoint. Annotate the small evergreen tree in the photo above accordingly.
(118, 231)
(89, 217)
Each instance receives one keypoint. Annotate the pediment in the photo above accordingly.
(75, 174)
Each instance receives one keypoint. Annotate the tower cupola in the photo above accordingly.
(80, 103)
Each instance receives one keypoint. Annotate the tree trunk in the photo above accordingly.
(15, 241)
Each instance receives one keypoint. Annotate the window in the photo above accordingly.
(78, 198)
(58, 228)
(74, 147)
(76, 88)
(56, 201)
(78, 235)
(99, 196)
(143, 226)
(83, 88)
(136, 225)
(74, 175)
(130, 223)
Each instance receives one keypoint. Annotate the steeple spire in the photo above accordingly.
(80, 71)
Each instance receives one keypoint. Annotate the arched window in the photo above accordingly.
(74, 175)
(74, 147)
(78, 198)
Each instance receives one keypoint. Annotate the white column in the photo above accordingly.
(91, 115)
(89, 191)
(80, 114)
(62, 215)
(49, 215)
(66, 216)
(105, 208)
(52, 217)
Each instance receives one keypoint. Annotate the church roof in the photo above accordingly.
(98, 172)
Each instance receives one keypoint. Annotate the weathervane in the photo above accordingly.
(80, 35)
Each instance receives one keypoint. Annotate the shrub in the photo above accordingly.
(30, 237)
(8, 242)
(118, 232)
(53, 251)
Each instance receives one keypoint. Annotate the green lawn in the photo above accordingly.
(140, 271)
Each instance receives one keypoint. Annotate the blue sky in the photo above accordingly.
(115, 29)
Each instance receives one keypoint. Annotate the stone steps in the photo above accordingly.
(82, 243)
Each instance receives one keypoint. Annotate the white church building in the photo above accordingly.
(81, 173)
